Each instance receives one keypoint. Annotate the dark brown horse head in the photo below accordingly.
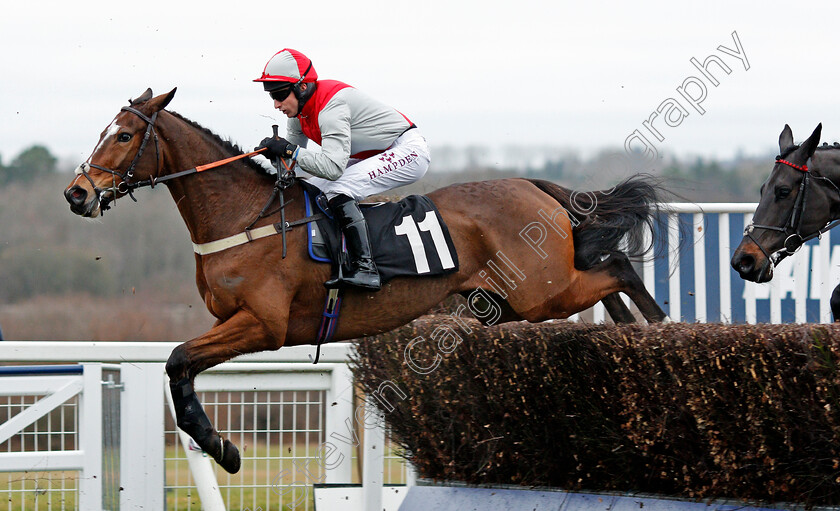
(127, 152)
(798, 199)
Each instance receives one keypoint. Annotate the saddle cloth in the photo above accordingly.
(408, 238)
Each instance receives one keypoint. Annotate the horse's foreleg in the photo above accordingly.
(619, 312)
(242, 333)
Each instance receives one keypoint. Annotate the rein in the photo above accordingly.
(791, 228)
(152, 181)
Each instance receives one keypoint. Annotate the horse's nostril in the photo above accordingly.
(747, 264)
(75, 195)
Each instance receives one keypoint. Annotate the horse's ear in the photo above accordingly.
(142, 98)
(160, 102)
(809, 146)
(785, 139)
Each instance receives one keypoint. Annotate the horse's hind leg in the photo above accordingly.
(602, 280)
(239, 334)
(621, 268)
(619, 312)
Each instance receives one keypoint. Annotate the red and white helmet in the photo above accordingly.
(286, 67)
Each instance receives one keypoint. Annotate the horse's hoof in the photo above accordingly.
(230, 457)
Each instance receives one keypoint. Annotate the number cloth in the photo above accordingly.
(409, 237)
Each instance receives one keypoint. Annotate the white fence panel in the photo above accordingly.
(49, 393)
(327, 387)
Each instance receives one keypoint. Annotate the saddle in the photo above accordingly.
(408, 238)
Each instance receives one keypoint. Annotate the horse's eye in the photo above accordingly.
(782, 192)
(124, 137)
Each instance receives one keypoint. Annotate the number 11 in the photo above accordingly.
(430, 224)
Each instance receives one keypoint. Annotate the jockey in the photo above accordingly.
(366, 148)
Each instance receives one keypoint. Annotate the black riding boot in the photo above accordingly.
(354, 227)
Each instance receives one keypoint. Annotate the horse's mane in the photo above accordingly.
(226, 144)
(824, 147)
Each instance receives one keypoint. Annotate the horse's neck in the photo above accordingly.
(217, 202)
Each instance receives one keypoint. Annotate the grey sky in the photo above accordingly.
(579, 75)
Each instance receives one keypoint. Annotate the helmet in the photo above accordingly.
(287, 67)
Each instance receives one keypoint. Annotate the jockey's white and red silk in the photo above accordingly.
(351, 128)
(403, 163)
(353, 131)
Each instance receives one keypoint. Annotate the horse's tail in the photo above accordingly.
(601, 219)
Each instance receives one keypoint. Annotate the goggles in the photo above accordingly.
(280, 94)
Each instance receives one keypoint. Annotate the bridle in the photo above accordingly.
(792, 226)
(126, 186)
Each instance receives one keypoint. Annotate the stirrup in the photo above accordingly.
(356, 279)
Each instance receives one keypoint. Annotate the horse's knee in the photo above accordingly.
(617, 266)
(176, 365)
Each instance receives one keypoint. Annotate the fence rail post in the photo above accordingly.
(339, 399)
(141, 434)
(90, 437)
(373, 467)
(699, 239)
(723, 269)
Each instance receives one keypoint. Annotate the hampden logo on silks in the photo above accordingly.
(390, 163)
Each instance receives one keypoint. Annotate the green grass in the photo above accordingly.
(35, 491)
(261, 466)
(258, 484)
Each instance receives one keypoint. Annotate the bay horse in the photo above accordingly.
(800, 200)
(262, 301)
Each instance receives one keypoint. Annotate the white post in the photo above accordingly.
(373, 469)
(202, 471)
(649, 265)
(724, 270)
(825, 272)
(598, 313)
(142, 431)
(699, 268)
(800, 293)
(749, 287)
(674, 305)
(339, 399)
(410, 474)
(90, 437)
(776, 301)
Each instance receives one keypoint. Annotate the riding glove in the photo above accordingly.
(277, 148)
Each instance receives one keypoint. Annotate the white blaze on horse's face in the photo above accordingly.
(110, 131)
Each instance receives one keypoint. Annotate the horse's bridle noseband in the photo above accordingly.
(125, 185)
(792, 226)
